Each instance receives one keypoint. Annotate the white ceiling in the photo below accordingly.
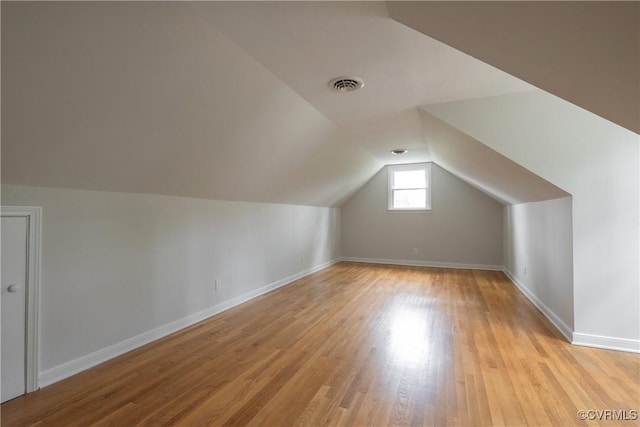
(468, 158)
(221, 100)
(586, 52)
(306, 44)
(149, 98)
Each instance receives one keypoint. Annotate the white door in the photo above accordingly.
(14, 275)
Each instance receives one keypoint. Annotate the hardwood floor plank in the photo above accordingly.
(353, 345)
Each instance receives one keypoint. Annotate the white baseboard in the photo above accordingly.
(425, 263)
(609, 343)
(576, 338)
(556, 321)
(83, 363)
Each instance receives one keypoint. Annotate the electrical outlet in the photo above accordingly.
(525, 270)
(415, 251)
(218, 285)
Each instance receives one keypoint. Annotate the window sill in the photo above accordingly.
(408, 210)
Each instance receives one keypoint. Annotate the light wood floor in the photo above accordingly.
(354, 344)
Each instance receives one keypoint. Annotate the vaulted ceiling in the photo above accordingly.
(230, 101)
(586, 52)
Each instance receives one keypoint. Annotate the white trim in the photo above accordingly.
(34, 243)
(82, 363)
(576, 338)
(425, 263)
(556, 321)
(609, 343)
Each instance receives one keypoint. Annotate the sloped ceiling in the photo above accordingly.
(147, 98)
(307, 43)
(587, 52)
(229, 100)
(468, 158)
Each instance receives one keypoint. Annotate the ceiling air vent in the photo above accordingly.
(346, 84)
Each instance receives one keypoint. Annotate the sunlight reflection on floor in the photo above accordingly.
(408, 341)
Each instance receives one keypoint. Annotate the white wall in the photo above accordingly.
(539, 256)
(464, 226)
(598, 163)
(117, 265)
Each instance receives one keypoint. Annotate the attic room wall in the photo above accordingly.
(596, 161)
(118, 266)
(538, 256)
(464, 227)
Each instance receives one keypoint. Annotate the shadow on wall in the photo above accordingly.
(539, 255)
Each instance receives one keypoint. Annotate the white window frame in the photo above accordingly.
(412, 167)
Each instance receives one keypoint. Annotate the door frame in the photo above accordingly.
(32, 329)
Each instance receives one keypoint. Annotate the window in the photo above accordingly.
(410, 187)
